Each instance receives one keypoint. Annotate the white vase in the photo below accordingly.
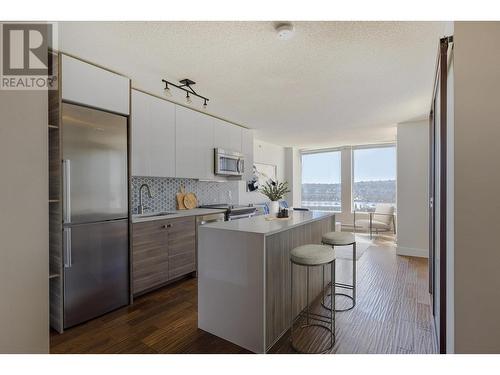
(274, 207)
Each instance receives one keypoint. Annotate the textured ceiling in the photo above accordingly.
(331, 84)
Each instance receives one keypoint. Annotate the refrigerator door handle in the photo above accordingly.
(67, 248)
(67, 191)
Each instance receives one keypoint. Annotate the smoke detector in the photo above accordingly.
(284, 30)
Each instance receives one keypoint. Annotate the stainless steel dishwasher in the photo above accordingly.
(210, 218)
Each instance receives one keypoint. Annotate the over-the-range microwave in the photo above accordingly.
(229, 163)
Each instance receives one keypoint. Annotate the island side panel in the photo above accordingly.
(278, 247)
(231, 286)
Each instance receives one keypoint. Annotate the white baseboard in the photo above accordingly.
(412, 252)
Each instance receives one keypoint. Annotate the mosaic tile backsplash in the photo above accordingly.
(164, 189)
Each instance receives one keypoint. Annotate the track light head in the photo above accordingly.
(188, 98)
(205, 104)
(167, 90)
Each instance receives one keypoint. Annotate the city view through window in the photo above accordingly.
(374, 179)
(321, 181)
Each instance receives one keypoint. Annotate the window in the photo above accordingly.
(321, 181)
(374, 177)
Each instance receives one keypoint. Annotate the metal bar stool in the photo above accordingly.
(342, 239)
(313, 256)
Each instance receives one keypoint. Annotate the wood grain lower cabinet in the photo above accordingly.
(182, 247)
(149, 255)
(162, 250)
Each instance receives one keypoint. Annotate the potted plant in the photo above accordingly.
(275, 191)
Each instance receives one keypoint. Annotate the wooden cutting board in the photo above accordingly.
(190, 201)
(180, 198)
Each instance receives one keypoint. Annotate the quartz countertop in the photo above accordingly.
(259, 224)
(177, 214)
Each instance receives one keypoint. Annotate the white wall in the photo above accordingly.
(346, 217)
(293, 174)
(24, 242)
(476, 187)
(413, 188)
(267, 153)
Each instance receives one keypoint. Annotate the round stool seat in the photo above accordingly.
(338, 238)
(311, 255)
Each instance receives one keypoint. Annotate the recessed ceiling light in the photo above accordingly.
(284, 30)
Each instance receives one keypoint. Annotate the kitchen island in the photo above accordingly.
(244, 276)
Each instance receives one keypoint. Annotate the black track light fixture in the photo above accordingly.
(185, 85)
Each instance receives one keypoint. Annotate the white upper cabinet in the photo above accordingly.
(140, 120)
(162, 140)
(194, 134)
(227, 135)
(247, 150)
(153, 136)
(87, 84)
(169, 140)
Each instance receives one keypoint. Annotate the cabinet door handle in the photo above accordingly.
(67, 247)
(167, 226)
(66, 172)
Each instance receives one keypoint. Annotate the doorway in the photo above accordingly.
(438, 192)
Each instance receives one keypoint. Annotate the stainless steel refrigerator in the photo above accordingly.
(95, 213)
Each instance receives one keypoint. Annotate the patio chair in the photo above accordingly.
(382, 220)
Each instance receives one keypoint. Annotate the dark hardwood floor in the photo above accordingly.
(392, 315)
(163, 321)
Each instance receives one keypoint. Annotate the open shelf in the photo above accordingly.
(56, 270)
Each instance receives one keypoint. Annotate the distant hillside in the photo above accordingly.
(364, 191)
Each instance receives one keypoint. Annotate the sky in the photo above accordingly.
(369, 165)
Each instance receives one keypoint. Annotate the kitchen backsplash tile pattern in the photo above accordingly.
(164, 189)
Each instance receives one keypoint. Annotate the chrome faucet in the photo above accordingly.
(140, 209)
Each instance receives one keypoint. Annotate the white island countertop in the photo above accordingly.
(261, 225)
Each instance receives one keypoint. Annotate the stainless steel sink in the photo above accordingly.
(153, 214)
